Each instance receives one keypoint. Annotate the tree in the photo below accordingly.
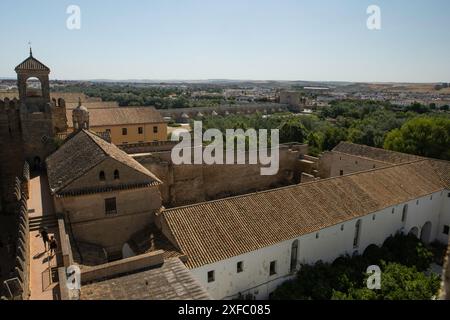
(292, 130)
(332, 136)
(402, 259)
(400, 282)
(423, 136)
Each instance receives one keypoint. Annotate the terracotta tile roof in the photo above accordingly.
(31, 63)
(442, 169)
(171, 281)
(81, 152)
(375, 153)
(212, 231)
(119, 116)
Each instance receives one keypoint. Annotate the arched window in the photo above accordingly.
(33, 87)
(357, 234)
(294, 254)
(116, 175)
(102, 176)
(404, 213)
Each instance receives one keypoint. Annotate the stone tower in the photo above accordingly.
(80, 117)
(41, 118)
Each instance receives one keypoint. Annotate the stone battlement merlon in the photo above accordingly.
(9, 104)
(60, 103)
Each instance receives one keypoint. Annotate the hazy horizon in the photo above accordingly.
(250, 40)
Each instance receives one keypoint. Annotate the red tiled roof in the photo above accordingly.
(217, 230)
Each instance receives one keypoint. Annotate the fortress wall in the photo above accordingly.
(190, 183)
(332, 163)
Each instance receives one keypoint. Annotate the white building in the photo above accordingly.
(251, 244)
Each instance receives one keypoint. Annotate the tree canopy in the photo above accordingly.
(423, 136)
(402, 260)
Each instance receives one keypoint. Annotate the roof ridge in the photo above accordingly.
(296, 185)
(375, 148)
(93, 136)
(389, 151)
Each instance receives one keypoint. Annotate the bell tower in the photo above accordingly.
(33, 83)
(36, 110)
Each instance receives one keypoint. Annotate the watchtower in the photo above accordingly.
(41, 117)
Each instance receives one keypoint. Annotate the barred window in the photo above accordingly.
(110, 206)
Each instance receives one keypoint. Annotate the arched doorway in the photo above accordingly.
(414, 231)
(426, 232)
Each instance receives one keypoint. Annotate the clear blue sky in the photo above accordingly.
(232, 39)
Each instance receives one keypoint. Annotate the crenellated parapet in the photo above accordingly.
(9, 104)
(18, 285)
(58, 103)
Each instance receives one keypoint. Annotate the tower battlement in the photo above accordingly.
(59, 103)
(34, 119)
(9, 104)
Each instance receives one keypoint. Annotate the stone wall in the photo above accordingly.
(187, 184)
(123, 266)
(333, 164)
(90, 224)
(59, 118)
(40, 125)
(294, 99)
(184, 114)
(17, 284)
(11, 154)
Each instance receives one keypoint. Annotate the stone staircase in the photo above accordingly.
(49, 222)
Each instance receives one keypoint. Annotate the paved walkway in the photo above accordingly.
(39, 204)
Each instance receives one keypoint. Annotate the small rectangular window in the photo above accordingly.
(446, 230)
(273, 268)
(155, 129)
(448, 195)
(124, 131)
(341, 172)
(211, 276)
(110, 206)
(240, 267)
(140, 130)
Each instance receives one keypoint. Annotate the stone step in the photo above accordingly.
(36, 223)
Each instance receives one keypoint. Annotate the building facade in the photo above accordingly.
(105, 196)
(125, 125)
